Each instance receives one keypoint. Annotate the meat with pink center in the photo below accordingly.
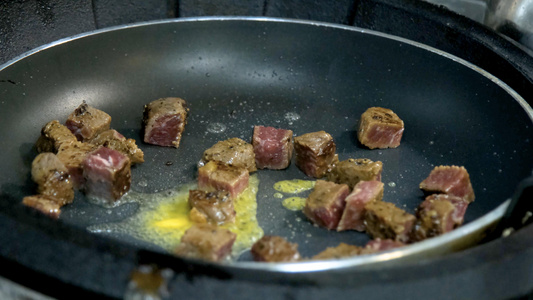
(354, 212)
(85, 122)
(72, 156)
(438, 214)
(386, 221)
(451, 180)
(164, 121)
(206, 242)
(275, 249)
(217, 176)
(113, 139)
(351, 171)
(272, 147)
(380, 128)
(326, 203)
(108, 175)
(315, 153)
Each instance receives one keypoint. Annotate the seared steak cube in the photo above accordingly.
(272, 147)
(438, 214)
(451, 180)
(107, 175)
(53, 135)
(207, 242)
(275, 249)
(378, 245)
(164, 121)
(72, 156)
(341, 251)
(380, 128)
(52, 178)
(325, 204)
(85, 122)
(112, 139)
(217, 176)
(354, 212)
(234, 151)
(385, 221)
(214, 207)
(351, 171)
(44, 204)
(315, 153)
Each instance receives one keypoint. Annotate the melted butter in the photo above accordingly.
(163, 218)
(294, 186)
(294, 203)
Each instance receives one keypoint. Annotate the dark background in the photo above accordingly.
(25, 25)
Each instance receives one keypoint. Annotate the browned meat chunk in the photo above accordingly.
(325, 204)
(213, 207)
(380, 128)
(112, 139)
(385, 221)
(53, 135)
(164, 121)
(351, 171)
(217, 176)
(72, 156)
(207, 242)
(107, 175)
(451, 180)
(45, 204)
(354, 212)
(315, 153)
(272, 147)
(85, 122)
(275, 249)
(379, 245)
(234, 151)
(52, 178)
(341, 251)
(438, 214)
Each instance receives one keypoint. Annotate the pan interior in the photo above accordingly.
(241, 73)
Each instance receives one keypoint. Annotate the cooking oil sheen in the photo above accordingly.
(163, 218)
(294, 186)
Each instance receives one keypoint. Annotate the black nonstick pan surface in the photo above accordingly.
(243, 72)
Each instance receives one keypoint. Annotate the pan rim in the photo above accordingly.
(389, 256)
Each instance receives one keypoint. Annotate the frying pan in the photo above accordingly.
(242, 72)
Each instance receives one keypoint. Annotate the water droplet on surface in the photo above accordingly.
(216, 127)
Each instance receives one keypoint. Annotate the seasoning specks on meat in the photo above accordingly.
(380, 128)
(326, 203)
(234, 151)
(386, 221)
(85, 122)
(164, 121)
(206, 241)
(275, 249)
(53, 135)
(213, 207)
(217, 176)
(52, 178)
(315, 153)
(112, 139)
(351, 171)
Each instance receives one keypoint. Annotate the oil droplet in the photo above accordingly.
(392, 184)
(294, 203)
(294, 186)
(292, 116)
(278, 195)
(216, 127)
